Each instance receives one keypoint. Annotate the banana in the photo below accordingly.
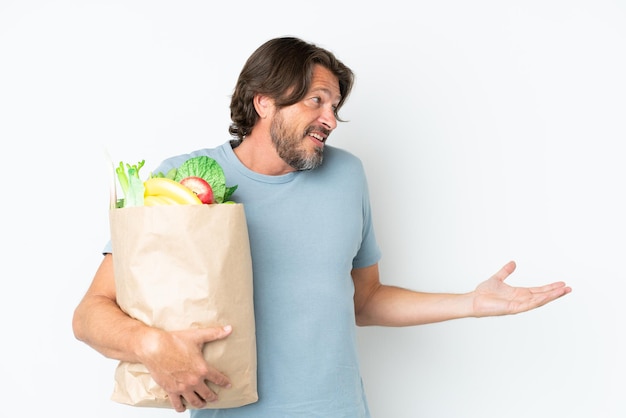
(164, 187)
(158, 200)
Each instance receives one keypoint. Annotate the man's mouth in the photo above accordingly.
(319, 137)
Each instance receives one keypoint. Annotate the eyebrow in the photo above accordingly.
(327, 91)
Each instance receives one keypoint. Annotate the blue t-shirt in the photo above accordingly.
(308, 230)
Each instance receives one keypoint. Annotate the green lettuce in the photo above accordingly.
(206, 168)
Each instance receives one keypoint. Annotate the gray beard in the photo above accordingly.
(289, 149)
(298, 159)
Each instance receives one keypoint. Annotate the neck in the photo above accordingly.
(258, 154)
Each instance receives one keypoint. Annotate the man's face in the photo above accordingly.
(299, 131)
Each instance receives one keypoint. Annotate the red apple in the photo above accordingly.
(200, 187)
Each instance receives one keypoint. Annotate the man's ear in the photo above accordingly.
(264, 105)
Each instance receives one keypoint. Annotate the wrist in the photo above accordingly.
(147, 343)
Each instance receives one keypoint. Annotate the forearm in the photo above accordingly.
(394, 306)
(100, 323)
(376, 304)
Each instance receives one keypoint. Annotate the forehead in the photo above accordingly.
(324, 81)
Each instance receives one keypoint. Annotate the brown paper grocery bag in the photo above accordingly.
(187, 266)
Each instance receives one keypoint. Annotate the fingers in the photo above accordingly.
(505, 271)
(558, 288)
(199, 395)
(215, 333)
(177, 403)
(213, 375)
(195, 386)
(550, 292)
(205, 393)
(192, 399)
(199, 398)
(550, 287)
(539, 296)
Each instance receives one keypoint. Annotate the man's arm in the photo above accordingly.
(174, 359)
(378, 304)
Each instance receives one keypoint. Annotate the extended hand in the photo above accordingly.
(493, 297)
(176, 363)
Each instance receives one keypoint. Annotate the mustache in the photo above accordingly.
(321, 129)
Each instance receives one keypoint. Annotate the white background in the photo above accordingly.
(491, 130)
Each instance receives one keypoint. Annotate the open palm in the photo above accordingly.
(494, 297)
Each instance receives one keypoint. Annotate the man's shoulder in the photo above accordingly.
(339, 158)
(177, 160)
(340, 154)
